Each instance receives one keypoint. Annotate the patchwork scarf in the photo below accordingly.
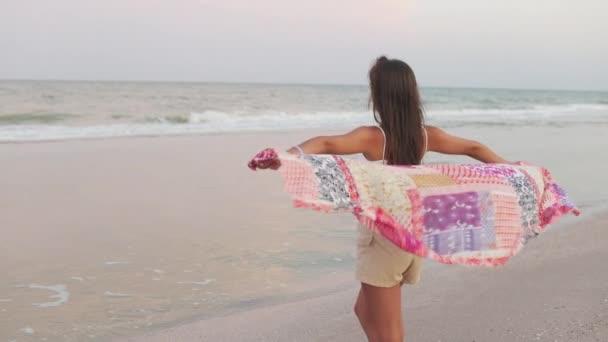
(473, 214)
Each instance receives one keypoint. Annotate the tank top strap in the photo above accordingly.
(383, 145)
(426, 141)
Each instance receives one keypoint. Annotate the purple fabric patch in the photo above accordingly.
(493, 170)
(453, 223)
(445, 212)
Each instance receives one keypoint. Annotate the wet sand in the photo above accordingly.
(556, 290)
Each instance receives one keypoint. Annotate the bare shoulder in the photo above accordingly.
(368, 133)
(433, 131)
(368, 130)
(437, 138)
(370, 140)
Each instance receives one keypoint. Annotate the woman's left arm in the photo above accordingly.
(442, 142)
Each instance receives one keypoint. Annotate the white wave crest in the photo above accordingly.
(212, 122)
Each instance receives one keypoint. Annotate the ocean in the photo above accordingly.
(63, 110)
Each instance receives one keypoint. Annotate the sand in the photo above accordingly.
(174, 239)
(556, 290)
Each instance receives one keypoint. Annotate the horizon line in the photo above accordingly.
(472, 87)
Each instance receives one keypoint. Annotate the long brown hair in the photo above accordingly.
(398, 110)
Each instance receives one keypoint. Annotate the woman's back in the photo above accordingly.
(378, 153)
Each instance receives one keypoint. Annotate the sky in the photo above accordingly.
(546, 44)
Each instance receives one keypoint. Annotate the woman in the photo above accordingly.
(401, 138)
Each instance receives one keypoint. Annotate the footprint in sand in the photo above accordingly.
(110, 263)
(60, 293)
(28, 331)
(116, 294)
(200, 283)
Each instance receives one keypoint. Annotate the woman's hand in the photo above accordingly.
(267, 159)
(272, 164)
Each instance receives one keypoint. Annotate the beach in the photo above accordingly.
(173, 238)
(554, 292)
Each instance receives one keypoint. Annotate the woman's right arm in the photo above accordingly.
(442, 142)
(359, 140)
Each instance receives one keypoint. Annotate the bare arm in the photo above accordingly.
(442, 142)
(359, 140)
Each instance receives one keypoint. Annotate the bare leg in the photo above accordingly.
(383, 313)
(363, 315)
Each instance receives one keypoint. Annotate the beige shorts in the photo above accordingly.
(380, 263)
